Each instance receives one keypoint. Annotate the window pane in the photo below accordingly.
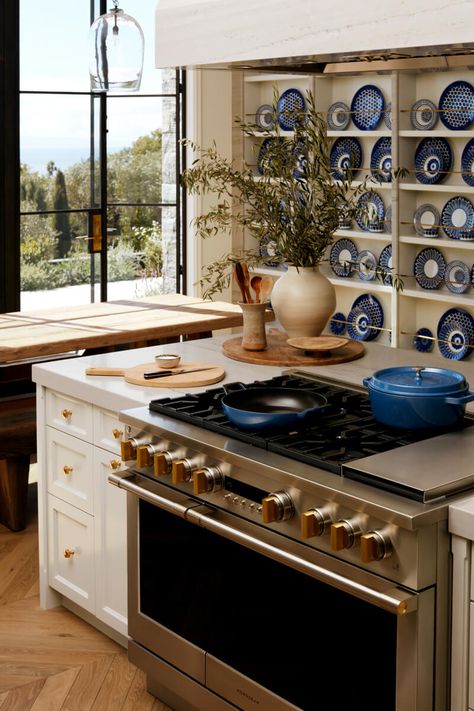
(49, 144)
(54, 45)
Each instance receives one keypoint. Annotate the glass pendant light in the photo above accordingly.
(116, 52)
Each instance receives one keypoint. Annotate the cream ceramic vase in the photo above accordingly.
(303, 299)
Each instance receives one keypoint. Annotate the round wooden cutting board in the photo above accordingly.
(278, 352)
(192, 380)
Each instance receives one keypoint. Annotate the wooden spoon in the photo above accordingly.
(255, 283)
(246, 281)
(266, 286)
(239, 278)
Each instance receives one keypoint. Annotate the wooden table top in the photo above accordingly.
(46, 332)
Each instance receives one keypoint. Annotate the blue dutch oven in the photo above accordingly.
(418, 398)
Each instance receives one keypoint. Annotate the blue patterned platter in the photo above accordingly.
(467, 163)
(386, 263)
(455, 334)
(265, 117)
(345, 158)
(337, 324)
(343, 252)
(381, 160)
(457, 105)
(433, 160)
(338, 116)
(289, 106)
(358, 325)
(423, 115)
(429, 268)
(367, 265)
(457, 277)
(426, 221)
(457, 218)
(372, 308)
(370, 216)
(367, 107)
(424, 341)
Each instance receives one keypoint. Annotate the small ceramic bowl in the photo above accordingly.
(167, 360)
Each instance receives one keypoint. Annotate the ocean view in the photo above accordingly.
(38, 158)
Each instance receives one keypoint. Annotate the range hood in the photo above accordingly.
(317, 36)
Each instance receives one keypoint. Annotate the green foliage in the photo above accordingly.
(295, 200)
(61, 223)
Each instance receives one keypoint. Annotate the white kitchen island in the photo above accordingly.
(82, 519)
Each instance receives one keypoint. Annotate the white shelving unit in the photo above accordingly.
(414, 307)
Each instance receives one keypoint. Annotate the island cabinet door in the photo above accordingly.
(110, 505)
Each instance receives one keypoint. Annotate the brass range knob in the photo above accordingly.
(162, 462)
(314, 522)
(128, 447)
(374, 545)
(277, 507)
(181, 471)
(207, 479)
(344, 533)
(145, 454)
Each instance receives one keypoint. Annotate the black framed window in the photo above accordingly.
(95, 209)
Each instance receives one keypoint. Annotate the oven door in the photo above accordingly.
(266, 622)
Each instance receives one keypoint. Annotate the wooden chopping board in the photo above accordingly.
(278, 352)
(192, 380)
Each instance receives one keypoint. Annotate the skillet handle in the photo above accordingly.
(469, 397)
(233, 387)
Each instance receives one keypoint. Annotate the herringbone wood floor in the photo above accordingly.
(50, 660)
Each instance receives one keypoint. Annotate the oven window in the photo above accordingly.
(313, 645)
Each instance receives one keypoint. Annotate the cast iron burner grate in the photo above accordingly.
(345, 432)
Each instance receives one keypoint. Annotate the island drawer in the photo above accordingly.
(70, 469)
(69, 415)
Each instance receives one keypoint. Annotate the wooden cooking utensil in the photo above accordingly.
(239, 278)
(266, 286)
(134, 375)
(246, 281)
(255, 283)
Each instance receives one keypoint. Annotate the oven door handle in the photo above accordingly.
(394, 600)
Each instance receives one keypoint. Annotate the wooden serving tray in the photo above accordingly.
(278, 352)
(134, 375)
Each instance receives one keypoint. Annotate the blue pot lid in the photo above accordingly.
(410, 380)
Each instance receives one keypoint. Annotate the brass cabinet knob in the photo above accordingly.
(181, 471)
(68, 470)
(67, 414)
(144, 455)
(314, 523)
(115, 464)
(162, 464)
(374, 546)
(117, 433)
(277, 507)
(343, 534)
(207, 479)
(68, 553)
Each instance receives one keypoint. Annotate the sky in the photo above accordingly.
(54, 46)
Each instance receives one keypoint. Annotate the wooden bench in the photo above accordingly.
(17, 444)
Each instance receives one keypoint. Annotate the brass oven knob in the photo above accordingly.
(162, 463)
(128, 447)
(374, 546)
(207, 479)
(181, 471)
(277, 507)
(145, 454)
(314, 523)
(343, 534)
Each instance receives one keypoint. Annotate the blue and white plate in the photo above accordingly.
(345, 158)
(387, 115)
(265, 117)
(386, 263)
(457, 277)
(337, 324)
(433, 160)
(381, 160)
(455, 334)
(371, 214)
(467, 163)
(457, 105)
(367, 265)
(429, 268)
(365, 319)
(426, 221)
(424, 341)
(338, 116)
(367, 107)
(457, 218)
(268, 251)
(289, 107)
(423, 115)
(343, 253)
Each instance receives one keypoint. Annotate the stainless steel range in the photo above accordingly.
(295, 570)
